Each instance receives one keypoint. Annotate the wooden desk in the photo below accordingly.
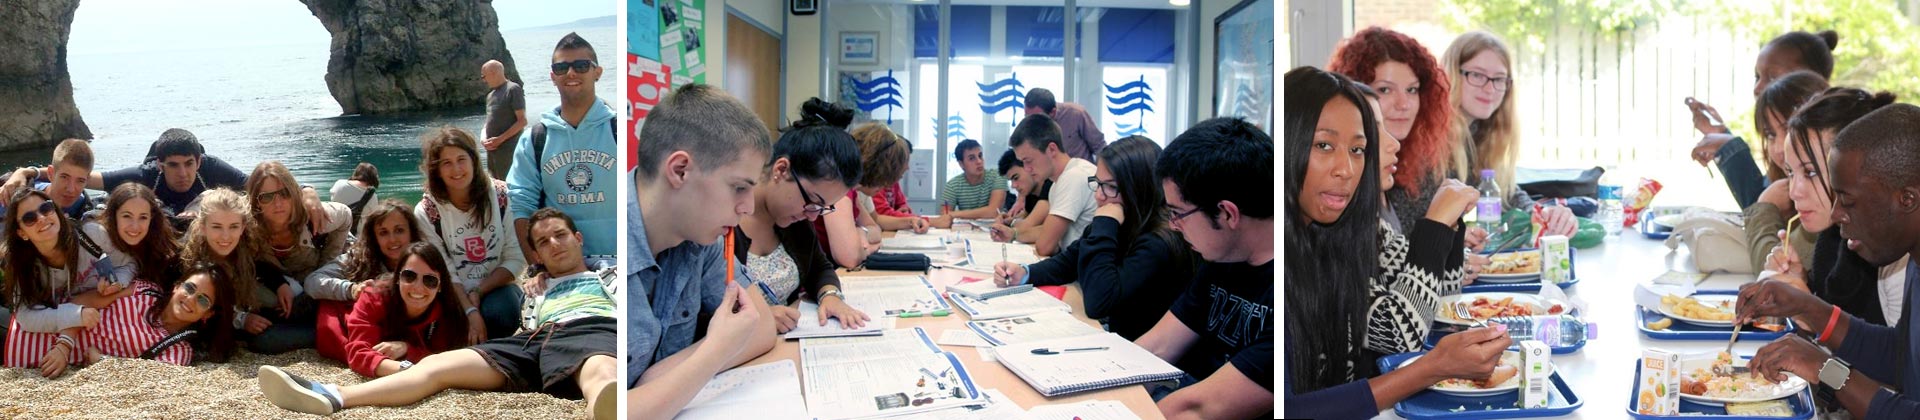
(987, 375)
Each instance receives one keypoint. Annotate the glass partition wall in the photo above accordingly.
(1119, 62)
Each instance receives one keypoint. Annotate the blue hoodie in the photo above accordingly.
(576, 174)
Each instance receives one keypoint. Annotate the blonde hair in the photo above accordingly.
(238, 265)
(1495, 140)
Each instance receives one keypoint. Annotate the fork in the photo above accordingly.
(1728, 368)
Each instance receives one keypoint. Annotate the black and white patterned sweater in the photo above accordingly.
(1415, 271)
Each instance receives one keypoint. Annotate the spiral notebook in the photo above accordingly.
(1071, 370)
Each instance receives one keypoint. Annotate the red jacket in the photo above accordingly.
(367, 326)
(892, 201)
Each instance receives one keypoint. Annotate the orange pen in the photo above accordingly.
(729, 255)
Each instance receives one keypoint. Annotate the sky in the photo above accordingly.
(112, 26)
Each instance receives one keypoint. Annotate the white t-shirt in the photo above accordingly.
(471, 253)
(1893, 290)
(1072, 199)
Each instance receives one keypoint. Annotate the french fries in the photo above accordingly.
(1690, 307)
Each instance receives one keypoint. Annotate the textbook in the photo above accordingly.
(983, 289)
(880, 296)
(915, 243)
(1084, 363)
(901, 372)
(1045, 325)
(1028, 302)
(983, 255)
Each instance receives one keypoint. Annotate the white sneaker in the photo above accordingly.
(295, 393)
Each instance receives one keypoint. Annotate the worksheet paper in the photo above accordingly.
(766, 391)
(895, 343)
(997, 407)
(808, 325)
(982, 255)
(1084, 410)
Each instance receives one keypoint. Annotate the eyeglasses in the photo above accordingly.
(1177, 215)
(274, 197)
(410, 276)
(32, 218)
(1104, 189)
(1481, 79)
(817, 208)
(578, 66)
(200, 299)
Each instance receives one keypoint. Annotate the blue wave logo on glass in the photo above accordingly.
(1002, 95)
(956, 126)
(881, 92)
(1134, 98)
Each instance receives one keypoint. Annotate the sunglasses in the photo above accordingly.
(32, 218)
(578, 66)
(429, 280)
(199, 299)
(274, 197)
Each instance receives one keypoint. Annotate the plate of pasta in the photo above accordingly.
(1702, 310)
(1482, 306)
(1512, 267)
(1700, 383)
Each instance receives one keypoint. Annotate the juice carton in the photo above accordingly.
(1659, 383)
(1535, 381)
(1556, 259)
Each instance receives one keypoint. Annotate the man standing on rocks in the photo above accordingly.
(566, 160)
(506, 117)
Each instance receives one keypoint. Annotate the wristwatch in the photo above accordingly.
(405, 364)
(1833, 374)
(832, 292)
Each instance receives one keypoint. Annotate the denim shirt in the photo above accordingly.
(670, 295)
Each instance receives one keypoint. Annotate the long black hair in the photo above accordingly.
(817, 147)
(1832, 110)
(1778, 100)
(446, 302)
(24, 287)
(1131, 161)
(1327, 265)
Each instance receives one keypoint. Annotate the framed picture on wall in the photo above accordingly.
(859, 47)
(1243, 63)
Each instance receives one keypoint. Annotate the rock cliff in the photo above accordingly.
(402, 55)
(36, 95)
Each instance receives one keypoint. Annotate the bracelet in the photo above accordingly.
(472, 309)
(1831, 320)
(834, 293)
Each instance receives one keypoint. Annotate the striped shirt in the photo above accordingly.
(968, 196)
(573, 297)
(123, 332)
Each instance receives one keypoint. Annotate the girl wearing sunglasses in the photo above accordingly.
(292, 245)
(220, 238)
(464, 214)
(50, 284)
(813, 162)
(384, 236)
(147, 324)
(414, 313)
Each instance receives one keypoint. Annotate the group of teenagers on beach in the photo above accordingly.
(495, 280)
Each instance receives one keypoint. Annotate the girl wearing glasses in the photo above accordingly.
(463, 213)
(1486, 133)
(414, 312)
(1130, 264)
(384, 235)
(221, 238)
(813, 162)
(50, 284)
(294, 247)
(151, 324)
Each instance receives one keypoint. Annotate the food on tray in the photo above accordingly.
(1514, 263)
(1704, 382)
(1690, 307)
(1506, 370)
(1483, 308)
(1660, 325)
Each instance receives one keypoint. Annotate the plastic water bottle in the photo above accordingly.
(1489, 210)
(1611, 210)
(1555, 330)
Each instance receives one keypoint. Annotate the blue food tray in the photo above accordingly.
(1801, 403)
(1434, 336)
(1573, 276)
(1685, 331)
(1647, 228)
(1427, 405)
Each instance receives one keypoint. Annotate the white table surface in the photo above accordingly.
(1602, 373)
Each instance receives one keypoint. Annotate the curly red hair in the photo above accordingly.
(1425, 149)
